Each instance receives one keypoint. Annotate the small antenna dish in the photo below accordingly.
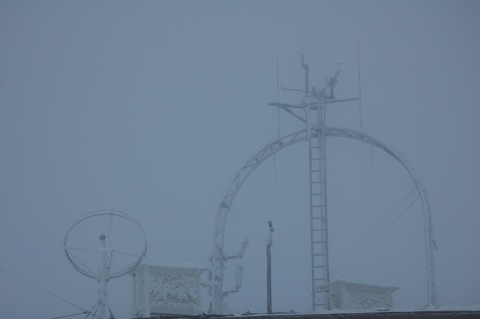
(104, 245)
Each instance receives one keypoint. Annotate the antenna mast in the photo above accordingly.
(305, 67)
(315, 101)
(359, 87)
(269, 268)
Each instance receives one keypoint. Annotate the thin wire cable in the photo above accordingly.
(123, 253)
(304, 302)
(68, 316)
(257, 234)
(114, 262)
(381, 236)
(359, 87)
(375, 189)
(110, 231)
(42, 289)
(79, 261)
(372, 232)
(278, 84)
(253, 230)
(84, 249)
(290, 273)
(94, 314)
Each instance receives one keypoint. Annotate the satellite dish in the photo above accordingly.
(104, 245)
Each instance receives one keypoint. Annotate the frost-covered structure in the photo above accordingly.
(312, 111)
(161, 290)
(345, 295)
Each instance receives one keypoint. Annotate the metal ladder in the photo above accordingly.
(318, 218)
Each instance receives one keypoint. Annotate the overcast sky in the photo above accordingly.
(152, 107)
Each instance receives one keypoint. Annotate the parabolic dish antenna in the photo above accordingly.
(104, 245)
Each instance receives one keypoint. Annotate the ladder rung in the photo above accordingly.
(317, 242)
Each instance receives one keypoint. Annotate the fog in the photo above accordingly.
(151, 108)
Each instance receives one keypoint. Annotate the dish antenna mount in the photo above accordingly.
(99, 239)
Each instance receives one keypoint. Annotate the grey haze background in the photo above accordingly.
(151, 108)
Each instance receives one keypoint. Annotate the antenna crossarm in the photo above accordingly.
(312, 106)
(286, 108)
(342, 100)
(283, 105)
(293, 90)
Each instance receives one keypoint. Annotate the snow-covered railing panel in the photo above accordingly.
(166, 290)
(345, 295)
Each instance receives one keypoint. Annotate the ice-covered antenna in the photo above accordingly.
(239, 270)
(240, 254)
(91, 236)
(305, 67)
(316, 101)
(333, 81)
(244, 248)
(278, 83)
(359, 86)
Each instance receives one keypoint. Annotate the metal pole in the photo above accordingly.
(104, 276)
(269, 269)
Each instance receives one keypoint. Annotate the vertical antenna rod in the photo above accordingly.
(305, 67)
(269, 268)
(359, 86)
(278, 84)
(278, 110)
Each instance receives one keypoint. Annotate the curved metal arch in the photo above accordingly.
(281, 143)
